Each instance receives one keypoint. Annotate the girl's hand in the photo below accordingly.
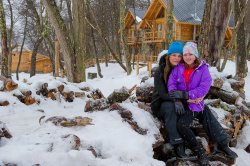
(196, 101)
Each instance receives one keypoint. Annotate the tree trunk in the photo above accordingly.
(73, 55)
(204, 30)
(96, 56)
(51, 54)
(33, 57)
(10, 39)
(124, 38)
(116, 23)
(220, 12)
(241, 48)
(20, 53)
(5, 50)
(79, 25)
(169, 23)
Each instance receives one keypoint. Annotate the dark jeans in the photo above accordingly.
(168, 115)
(210, 124)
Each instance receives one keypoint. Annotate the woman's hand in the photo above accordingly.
(177, 94)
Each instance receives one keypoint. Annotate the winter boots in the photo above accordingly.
(225, 149)
(179, 150)
(202, 157)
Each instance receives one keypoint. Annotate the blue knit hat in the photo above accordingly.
(175, 47)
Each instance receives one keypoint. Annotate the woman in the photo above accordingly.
(193, 76)
(162, 105)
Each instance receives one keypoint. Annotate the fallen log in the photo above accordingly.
(118, 95)
(144, 94)
(238, 86)
(66, 122)
(43, 90)
(7, 84)
(4, 103)
(218, 83)
(247, 149)
(27, 100)
(96, 94)
(228, 97)
(68, 96)
(4, 132)
(127, 117)
(96, 105)
(79, 94)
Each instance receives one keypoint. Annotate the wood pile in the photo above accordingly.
(225, 93)
(59, 91)
(98, 102)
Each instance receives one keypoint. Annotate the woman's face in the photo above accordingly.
(189, 58)
(175, 58)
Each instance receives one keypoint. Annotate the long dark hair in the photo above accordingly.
(165, 67)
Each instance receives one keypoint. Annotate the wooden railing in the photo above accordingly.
(132, 40)
(154, 36)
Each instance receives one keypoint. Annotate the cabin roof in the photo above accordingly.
(138, 12)
(184, 11)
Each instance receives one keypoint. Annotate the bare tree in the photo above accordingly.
(74, 50)
(10, 39)
(241, 47)
(21, 50)
(124, 38)
(169, 23)
(204, 30)
(95, 52)
(4, 39)
(219, 18)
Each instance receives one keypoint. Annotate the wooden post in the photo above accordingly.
(137, 64)
(194, 33)
(57, 50)
(150, 66)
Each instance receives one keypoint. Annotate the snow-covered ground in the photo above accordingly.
(113, 139)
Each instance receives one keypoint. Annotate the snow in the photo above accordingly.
(114, 141)
(138, 19)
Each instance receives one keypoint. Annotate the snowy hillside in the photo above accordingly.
(113, 140)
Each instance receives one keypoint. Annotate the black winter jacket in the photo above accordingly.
(160, 89)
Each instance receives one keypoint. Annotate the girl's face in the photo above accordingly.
(189, 58)
(175, 58)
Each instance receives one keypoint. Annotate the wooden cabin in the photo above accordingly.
(188, 15)
(43, 63)
(132, 21)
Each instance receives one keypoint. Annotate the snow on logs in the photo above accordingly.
(66, 122)
(98, 102)
(7, 84)
(4, 132)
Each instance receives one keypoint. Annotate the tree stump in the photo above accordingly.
(92, 75)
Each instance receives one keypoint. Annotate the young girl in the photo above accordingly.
(193, 76)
